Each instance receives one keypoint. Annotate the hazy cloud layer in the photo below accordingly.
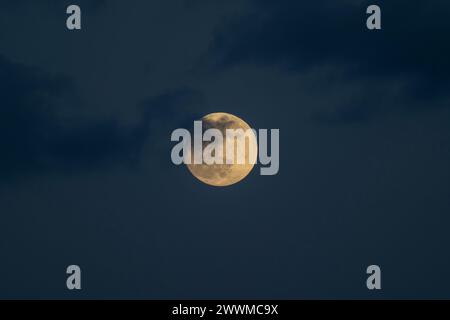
(34, 136)
(406, 62)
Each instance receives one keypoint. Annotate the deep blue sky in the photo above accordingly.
(85, 170)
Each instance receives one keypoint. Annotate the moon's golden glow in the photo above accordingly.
(221, 175)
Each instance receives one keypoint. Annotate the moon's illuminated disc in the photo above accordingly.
(225, 174)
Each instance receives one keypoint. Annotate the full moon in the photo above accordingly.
(221, 175)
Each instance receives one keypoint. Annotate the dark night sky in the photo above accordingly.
(85, 170)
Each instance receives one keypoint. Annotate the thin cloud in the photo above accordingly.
(300, 37)
(35, 138)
